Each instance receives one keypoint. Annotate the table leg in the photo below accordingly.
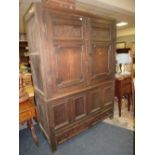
(129, 101)
(30, 125)
(119, 105)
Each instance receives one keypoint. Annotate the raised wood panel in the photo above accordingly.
(100, 34)
(41, 112)
(61, 115)
(67, 28)
(108, 95)
(100, 60)
(94, 100)
(69, 65)
(31, 35)
(80, 107)
(36, 71)
(100, 31)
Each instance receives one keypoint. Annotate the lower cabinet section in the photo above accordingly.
(68, 116)
(81, 105)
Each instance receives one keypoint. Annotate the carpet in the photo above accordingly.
(101, 139)
(126, 120)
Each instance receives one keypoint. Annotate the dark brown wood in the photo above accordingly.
(123, 87)
(123, 50)
(72, 56)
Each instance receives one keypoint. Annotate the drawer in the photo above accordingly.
(26, 115)
(126, 89)
(71, 133)
(81, 126)
(126, 81)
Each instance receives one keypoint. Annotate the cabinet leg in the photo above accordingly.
(112, 116)
(53, 142)
(119, 106)
(31, 127)
(53, 147)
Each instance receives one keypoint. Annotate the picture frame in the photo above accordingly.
(120, 45)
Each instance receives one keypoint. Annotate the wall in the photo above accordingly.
(130, 43)
(130, 39)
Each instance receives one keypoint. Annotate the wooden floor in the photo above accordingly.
(127, 118)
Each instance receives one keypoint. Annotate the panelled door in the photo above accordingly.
(68, 42)
(101, 50)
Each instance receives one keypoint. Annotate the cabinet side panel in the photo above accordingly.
(35, 60)
(42, 113)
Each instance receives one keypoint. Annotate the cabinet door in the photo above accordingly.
(69, 51)
(101, 50)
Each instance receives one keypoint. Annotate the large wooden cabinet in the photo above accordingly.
(72, 57)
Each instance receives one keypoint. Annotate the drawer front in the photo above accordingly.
(126, 81)
(126, 89)
(29, 114)
(61, 137)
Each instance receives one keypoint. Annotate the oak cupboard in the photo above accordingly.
(72, 56)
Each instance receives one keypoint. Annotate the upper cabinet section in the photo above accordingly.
(70, 49)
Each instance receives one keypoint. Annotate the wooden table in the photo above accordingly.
(27, 112)
(123, 87)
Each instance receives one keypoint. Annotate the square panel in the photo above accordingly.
(80, 106)
(36, 71)
(94, 100)
(61, 116)
(108, 96)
